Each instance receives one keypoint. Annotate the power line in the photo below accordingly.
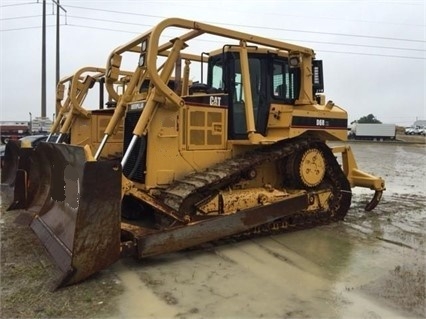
(242, 25)
(99, 28)
(374, 54)
(34, 16)
(329, 51)
(115, 11)
(17, 4)
(330, 33)
(18, 18)
(263, 27)
(321, 18)
(108, 20)
(359, 45)
(298, 40)
(280, 14)
(27, 28)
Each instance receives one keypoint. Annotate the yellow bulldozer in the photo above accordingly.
(244, 153)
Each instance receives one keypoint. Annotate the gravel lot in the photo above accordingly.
(372, 265)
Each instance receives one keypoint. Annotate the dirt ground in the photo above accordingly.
(372, 265)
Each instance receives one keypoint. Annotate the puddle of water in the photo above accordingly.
(306, 274)
(359, 306)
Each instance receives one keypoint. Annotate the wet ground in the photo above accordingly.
(372, 265)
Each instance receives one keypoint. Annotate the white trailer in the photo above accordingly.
(41, 125)
(369, 131)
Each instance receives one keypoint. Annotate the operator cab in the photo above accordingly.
(272, 80)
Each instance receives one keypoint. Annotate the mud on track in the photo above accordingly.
(372, 265)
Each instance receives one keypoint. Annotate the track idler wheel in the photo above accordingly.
(307, 168)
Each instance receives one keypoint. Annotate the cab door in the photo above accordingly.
(225, 73)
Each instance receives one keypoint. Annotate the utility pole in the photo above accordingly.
(58, 8)
(43, 53)
(57, 43)
(43, 63)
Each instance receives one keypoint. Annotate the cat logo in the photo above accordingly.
(215, 100)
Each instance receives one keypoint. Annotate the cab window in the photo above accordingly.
(285, 81)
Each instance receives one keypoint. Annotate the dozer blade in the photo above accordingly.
(32, 183)
(78, 220)
(15, 158)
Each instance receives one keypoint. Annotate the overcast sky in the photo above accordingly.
(374, 52)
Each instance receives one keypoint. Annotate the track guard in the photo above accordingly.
(79, 224)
